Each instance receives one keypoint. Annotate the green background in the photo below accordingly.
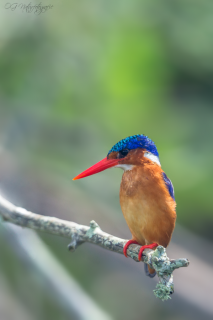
(74, 81)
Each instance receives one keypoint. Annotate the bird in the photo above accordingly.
(146, 193)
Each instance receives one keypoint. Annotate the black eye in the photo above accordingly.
(123, 153)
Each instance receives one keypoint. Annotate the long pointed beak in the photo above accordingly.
(98, 167)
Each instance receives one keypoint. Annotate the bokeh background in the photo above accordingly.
(74, 81)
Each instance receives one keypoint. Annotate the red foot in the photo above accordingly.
(147, 246)
(128, 244)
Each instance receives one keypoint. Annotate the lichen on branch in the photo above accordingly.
(156, 259)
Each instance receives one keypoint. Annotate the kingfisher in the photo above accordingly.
(146, 193)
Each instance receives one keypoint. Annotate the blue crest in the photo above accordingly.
(134, 142)
(169, 185)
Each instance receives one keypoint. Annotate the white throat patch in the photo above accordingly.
(152, 157)
(124, 167)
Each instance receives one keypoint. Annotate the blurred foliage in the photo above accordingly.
(77, 79)
(80, 77)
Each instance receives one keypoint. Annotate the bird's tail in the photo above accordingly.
(149, 271)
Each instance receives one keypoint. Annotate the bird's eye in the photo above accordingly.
(123, 153)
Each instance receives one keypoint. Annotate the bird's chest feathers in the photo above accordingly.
(135, 184)
(139, 196)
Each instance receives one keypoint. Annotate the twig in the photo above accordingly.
(79, 234)
(66, 291)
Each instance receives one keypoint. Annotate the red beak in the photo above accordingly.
(98, 167)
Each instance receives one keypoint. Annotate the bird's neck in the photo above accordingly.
(140, 178)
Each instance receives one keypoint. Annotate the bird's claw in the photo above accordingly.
(147, 246)
(129, 242)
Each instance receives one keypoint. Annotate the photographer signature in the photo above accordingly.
(37, 9)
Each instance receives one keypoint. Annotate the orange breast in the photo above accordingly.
(147, 205)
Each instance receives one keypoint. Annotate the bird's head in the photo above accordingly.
(125, 154)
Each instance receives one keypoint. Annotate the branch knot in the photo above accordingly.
(156, 259)
(93, 224)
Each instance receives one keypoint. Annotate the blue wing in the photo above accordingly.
(169, 185)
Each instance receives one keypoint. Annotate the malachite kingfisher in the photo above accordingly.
(146, 193)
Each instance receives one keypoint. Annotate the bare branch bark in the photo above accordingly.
(79, 234)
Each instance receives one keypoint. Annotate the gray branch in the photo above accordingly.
(157, 259)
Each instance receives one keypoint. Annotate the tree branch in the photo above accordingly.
(157, 259)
